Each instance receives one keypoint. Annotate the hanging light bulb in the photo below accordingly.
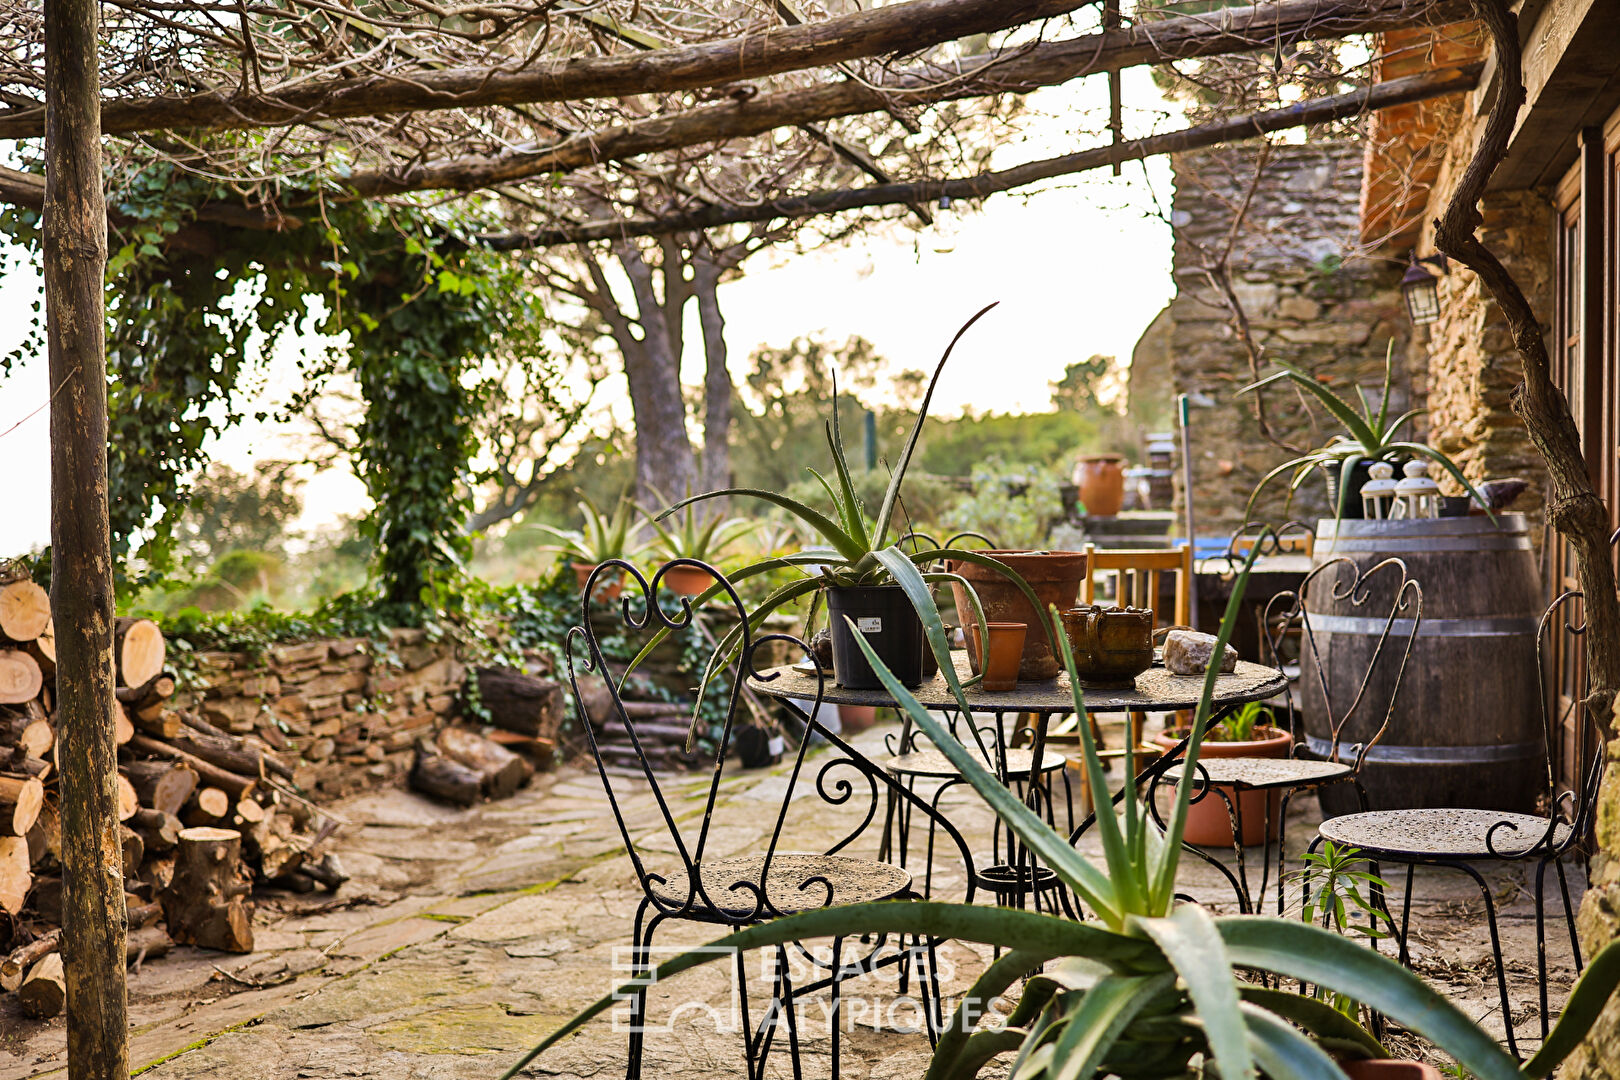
(947, 227)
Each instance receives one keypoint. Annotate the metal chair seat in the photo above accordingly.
(1441, 834)
(799, 881)
(934, 765)
(1259, 774)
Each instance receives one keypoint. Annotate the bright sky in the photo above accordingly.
(1081, 265)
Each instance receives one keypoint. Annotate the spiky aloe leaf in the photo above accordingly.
(1190, 942)
(855, 523)
(1324, 1023)
(1340, 408)
(994, 981)
(1094, 1028)
(979, 558)
(892, 493)
(1311, 954)
(828, 529)
(1282, 1052)
(1422, 450)
(1591, 993)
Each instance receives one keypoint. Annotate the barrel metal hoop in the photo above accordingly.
(1387, 545)
(1383, 754)
(1499, 626)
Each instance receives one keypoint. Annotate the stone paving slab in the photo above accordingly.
(467, 936)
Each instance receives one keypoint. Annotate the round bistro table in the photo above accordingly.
(1155, 690)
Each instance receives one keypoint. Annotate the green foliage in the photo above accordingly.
(1082, 379)
(1334, 895)
(1015, 505)
(228, 511)
(694, 535)
(602, 537)
(1239, 727)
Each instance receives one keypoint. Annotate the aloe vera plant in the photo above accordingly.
(859, 550)
(602, 536)
(1149, 987)
(1369, 434)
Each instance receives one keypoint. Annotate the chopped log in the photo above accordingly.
(142, 915)
(38, 737)
(328, 872)
(128, 801)
(249, 812)
(204, 904)
(43, 649)
(16, 964)
(159, 830)
(139, 649)
(132, 849)
(43, 992)
(47, 899)
(25, 611)
(520, 702)
(154, 691)
(158, 721)
(161, 785)
(20, 677)
(503, 772)
(236, 786)
(146, 943)
(278, 858)
(211, 803)
(16, 874)
(158, 872)
(20, 803)
(231, 753)
(123, 730)
(20, 764)
(443, 778)
(45, 838)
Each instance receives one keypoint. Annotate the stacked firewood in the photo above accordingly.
(204, 812)
(461, 766)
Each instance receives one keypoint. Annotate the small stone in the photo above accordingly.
(1187, 652)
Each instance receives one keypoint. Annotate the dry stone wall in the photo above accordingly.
(1311, 298)
(345, 712)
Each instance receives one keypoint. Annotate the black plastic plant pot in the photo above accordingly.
(882, 615)
(1349, 501)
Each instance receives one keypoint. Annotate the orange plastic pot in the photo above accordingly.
(1209, 823)
(607, 589)
(1006, 653)
(687, 580)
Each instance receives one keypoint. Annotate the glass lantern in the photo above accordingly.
(1378, 494)
(1416, 496)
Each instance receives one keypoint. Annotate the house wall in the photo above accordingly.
(1312, 300)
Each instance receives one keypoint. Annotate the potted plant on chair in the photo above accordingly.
(1248, 733)
(600, 538)
(867, 581)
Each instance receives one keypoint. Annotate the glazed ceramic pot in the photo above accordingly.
(687, 580)
(607, 589)
(1209, 823)
(1112, 646)
(1054, 576)
(1102, 484)
(1006, 653)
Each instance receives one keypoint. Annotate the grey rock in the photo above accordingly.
(1187, 652)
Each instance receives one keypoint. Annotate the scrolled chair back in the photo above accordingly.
(1384, 592)
(678, 872)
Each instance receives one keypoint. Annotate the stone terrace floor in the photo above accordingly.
(466, 936)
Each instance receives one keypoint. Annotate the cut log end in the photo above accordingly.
(140, 650)
(43, 993)
(25, 611)
(20, 677)
(20, 802)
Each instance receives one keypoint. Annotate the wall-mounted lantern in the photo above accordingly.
(1422, 289)
(947, 227)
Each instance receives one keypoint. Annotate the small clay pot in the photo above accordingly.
(687, 580)
(853, 719)
(607, 589)
(1054, 576)
(1006, 652)
(1112, 646)
(1102, 484)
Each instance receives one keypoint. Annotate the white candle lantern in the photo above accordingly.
(1378, 494)
(1417, 496)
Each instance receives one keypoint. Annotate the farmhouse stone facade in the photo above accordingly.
(1311, 300)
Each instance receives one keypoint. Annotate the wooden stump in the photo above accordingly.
(503, 772)
(140, 651)
(20, 677)
(436, 775)
(25, 611)
(43, 992)
(204, 904)
(520, 702)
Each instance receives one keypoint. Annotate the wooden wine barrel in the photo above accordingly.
(1467, 730)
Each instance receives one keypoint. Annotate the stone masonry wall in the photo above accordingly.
(349, 709)
(1312, 301)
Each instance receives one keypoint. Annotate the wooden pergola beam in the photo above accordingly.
(888, 29)
(1181, 37)
(75, 258)
(1321, 110)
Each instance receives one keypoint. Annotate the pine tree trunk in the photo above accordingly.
(75, 258)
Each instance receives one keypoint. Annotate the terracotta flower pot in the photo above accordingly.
(1102, 484)
(1208, 821)
(853, 719)
(1387, 1069)
(1055, 578)
(608, 589)
(687, 580)
(1006, 653)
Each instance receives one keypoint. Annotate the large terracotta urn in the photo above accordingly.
(1102, 484)
(1054, 577)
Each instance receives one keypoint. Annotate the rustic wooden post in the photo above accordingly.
(75, 242)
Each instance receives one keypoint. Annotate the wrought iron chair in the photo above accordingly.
(1274, 782)
(1459, 838)
(733, 891)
